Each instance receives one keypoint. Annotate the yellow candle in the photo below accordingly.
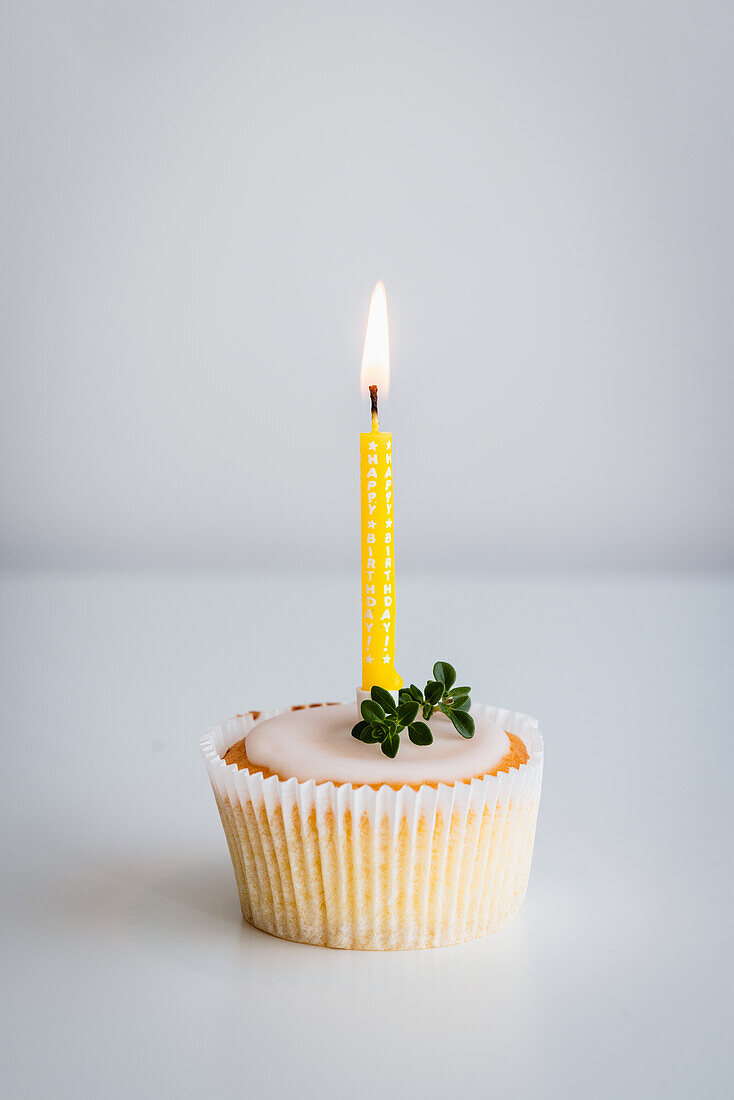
(378, 530)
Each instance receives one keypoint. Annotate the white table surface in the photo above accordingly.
(127, 969)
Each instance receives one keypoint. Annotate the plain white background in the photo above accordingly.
(197, 197)
(128, 972)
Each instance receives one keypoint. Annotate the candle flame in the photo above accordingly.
(376, 356)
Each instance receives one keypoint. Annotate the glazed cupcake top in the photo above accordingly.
(316, 743)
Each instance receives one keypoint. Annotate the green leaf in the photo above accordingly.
(407, 712)
(434, 692)
(383, 717)
(462, 722)
(384, 699)
(371, 734)
(420, 734)
(372, 711)
(444, 673)
(391, 744)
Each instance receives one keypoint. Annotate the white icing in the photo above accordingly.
(317, 744)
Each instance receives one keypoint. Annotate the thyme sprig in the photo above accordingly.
(383, 719)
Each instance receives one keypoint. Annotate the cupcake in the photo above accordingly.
(337, 840)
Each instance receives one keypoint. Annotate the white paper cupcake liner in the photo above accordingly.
(354, 867)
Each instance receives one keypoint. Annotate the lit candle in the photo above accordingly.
(378, 531)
